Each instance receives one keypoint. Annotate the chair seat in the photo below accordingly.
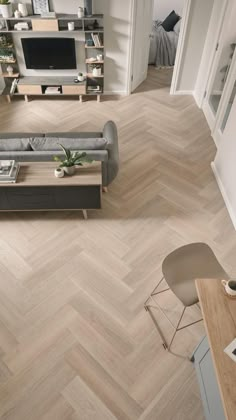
(186, 264)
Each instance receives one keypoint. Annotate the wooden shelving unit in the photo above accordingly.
(88, 25)
(7, 49)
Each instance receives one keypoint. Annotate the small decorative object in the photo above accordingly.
(10, 70)
(72, 159)
(99, 57)
(2, 24)
(21, 26)
(95, 24)
(59, 173)
(80, 77)
(40, 6)
(80, 12)
(6, 9)
(71, 26)
(17, 14)
(96, 70)
(88, 7)
(23, 9)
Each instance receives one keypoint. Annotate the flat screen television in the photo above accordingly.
(49, 53)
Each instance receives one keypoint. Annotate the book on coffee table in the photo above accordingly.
(10, 175)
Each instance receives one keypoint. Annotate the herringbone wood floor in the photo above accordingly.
(75, 341)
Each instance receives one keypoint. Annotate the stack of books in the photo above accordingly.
(9, 170)
(96, 40)
(53, 90)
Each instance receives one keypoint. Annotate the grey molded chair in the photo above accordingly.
(180, 270)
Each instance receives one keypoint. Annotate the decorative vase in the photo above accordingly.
(80, 12)
(17, 14)
(88, 7)
(97, 72)
(69, 170)
(6, 10)
(23, 9)
(59, 173)
(10, 70)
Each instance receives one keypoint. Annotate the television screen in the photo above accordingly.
(49, 53)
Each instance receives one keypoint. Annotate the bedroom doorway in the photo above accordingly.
(151, 43)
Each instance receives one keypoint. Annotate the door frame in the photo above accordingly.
(206, 69)
(180, 48)
(231, 78)
(213, 119)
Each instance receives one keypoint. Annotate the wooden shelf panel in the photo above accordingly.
(58, 16)
(14, 75)
(7, 62)
(94, 62)
(93, 46)
(92, 76)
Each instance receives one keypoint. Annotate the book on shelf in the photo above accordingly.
(53, 90)
(11, 178)
(96, 40)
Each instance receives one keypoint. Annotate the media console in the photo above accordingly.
(29, 86)
(91, 27)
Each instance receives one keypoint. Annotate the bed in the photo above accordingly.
(163, 44)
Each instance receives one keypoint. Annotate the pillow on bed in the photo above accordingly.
(176, 28)
(170, 21)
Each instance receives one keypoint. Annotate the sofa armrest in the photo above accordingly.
(111, 135)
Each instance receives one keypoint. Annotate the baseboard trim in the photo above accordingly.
(116, 92)
(183, 92)
(224, 194)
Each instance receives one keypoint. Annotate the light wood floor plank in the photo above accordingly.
(75, 341)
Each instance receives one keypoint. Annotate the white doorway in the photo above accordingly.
(143, 15)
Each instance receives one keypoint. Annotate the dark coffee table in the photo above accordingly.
(37, 189)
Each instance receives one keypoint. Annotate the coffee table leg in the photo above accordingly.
(85, 214)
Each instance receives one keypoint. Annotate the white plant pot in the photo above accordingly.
(6, 10)
(80, 78)
(59, 173)
(23, 9)
(69, 170)
(97, 72)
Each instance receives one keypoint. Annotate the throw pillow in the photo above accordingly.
(14, 145)
(177, 27)
(170, 21)
(53, 143)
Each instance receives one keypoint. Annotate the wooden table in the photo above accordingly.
(37, 189)
(219, 314)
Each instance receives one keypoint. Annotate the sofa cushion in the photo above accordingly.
(74, 135)
(14, 144)
(53, 143)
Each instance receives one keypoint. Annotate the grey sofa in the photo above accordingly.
(36, 147)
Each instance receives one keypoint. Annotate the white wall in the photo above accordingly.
(224, 165)
(117, 32)
(162, 8)
(197, 27)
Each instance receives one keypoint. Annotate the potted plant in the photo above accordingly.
(72, 159)
(96, 70)
(6, 8)
(80, 77)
